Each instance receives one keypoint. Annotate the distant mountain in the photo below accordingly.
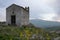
(44, 24)
(55, 28)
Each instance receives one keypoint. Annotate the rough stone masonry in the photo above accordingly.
(17, 15)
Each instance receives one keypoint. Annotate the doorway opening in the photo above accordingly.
(13, 19)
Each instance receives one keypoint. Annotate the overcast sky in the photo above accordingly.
(39, 9)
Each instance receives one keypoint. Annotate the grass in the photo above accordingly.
(23, 33)
(7, 32)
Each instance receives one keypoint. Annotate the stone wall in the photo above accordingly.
(22, 15)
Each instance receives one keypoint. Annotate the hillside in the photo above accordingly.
(23, 33)
(55, 28)
(16, 33)
(44, 24)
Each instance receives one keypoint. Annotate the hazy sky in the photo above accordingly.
(39, 9)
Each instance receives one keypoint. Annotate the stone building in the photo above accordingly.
(17, 15)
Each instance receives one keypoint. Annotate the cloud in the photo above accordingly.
(22, 2)
(41, 9)
(4, 4)
(48, 16)
(2, 14)
(56, 7)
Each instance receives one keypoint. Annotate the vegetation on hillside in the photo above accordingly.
(24, 33)
(54, 28)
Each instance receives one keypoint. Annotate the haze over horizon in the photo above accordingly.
(39, 9)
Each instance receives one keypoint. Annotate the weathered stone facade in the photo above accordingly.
(17, 15)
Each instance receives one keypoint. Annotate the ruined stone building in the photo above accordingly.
(17, 15)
